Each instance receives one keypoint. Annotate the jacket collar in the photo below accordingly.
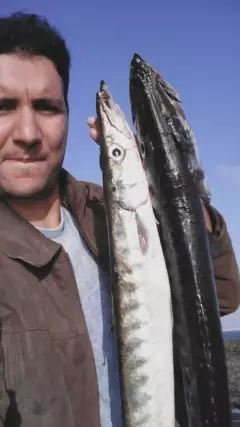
(20, 240)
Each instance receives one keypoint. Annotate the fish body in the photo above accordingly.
(197, 330)
(141, 290)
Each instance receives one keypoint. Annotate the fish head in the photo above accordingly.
(119, 155)
(140, 69)
(143, 91)
(150, 91)
(153, 99)
(146, 84)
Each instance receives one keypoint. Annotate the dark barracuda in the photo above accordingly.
(186, 248)
(141, 289)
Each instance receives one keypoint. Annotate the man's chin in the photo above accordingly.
(26, 191)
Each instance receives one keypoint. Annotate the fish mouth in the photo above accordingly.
(104, 100)
(137, 62)
(136, 84)
(136, 69)
(104, 93)
(140, 68)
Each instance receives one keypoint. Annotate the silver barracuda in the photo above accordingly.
(140, 283)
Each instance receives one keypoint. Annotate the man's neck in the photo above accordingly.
(42, 214)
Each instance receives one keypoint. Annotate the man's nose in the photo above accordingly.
(27, 130)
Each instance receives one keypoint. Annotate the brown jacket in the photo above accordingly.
(47, 370)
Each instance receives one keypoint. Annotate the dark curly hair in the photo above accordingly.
(31, 34)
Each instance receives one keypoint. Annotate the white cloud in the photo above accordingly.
(231, 172)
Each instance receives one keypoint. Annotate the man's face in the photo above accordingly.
(33, 126)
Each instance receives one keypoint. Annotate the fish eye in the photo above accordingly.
(116, 152)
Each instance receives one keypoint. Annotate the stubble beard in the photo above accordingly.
(51, 188)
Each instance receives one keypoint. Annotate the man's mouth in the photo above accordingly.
(24, 160)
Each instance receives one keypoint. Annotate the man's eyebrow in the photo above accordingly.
(52, 102)
(51, 99)
(7, 92)
(45, 93)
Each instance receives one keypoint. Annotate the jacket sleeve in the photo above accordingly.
(225, 266)
(5, 404)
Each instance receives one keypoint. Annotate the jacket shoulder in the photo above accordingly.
(94, 222)
(225, 265)
(70, 188)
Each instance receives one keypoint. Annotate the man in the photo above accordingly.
(58, 365)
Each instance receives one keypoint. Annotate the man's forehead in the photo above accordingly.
(36, 74)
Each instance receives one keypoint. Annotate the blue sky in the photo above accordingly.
(195, 45)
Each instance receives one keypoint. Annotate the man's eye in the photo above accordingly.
(47, 107)
(7, 105)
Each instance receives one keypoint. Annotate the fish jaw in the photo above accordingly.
(111, 114)
(120, 157)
